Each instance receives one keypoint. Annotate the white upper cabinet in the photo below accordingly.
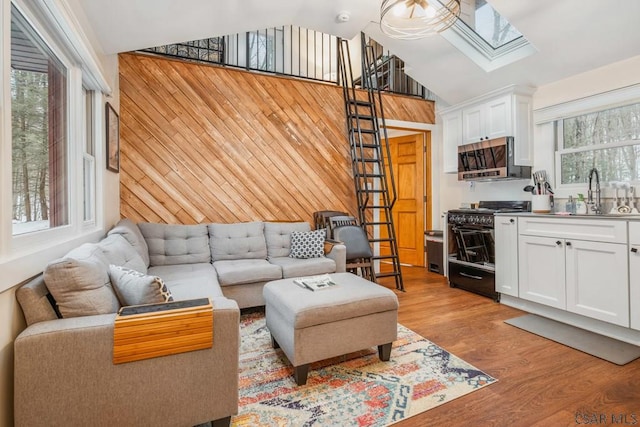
(452, 137)
(488, 120)
(507, 112)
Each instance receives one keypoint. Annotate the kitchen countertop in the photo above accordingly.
(623, 217)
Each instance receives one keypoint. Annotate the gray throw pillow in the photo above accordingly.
(80, 284)
(135, 288)
(307, 244)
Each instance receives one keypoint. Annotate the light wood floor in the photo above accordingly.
(540, 382)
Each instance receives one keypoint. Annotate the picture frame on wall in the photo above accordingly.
(113, 139)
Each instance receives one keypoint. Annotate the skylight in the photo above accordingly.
(487, 37)
(490, 25)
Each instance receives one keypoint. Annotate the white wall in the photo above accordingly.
(11, 318)
(604, 79)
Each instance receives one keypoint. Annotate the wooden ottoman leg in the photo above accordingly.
(300, 374)
(384, 352)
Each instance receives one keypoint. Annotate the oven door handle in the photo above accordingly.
(471, 276)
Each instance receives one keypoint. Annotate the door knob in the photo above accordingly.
(568, 243)
(558, 242)
(512, 221)
(634, 250)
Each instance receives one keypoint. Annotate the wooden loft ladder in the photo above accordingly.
(367, 134)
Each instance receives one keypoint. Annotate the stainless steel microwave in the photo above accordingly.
(492, 159)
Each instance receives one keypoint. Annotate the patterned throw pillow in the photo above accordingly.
(307, 244)
(135, 288)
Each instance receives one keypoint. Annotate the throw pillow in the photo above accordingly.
(80, 284)
(135, 288)
(307, 244)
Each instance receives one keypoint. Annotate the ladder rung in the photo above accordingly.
(369, 175)
(364, 145)
(366, 131)
(376, 207)
(358, 102)
(372, 191)
(361, 117)
(359, 159)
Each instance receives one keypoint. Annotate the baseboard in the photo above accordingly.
(619, 333)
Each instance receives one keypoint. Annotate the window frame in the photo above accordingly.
(56, 55)
(559, 149)
(25, 255)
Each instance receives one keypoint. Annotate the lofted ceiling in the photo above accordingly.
(571, 36)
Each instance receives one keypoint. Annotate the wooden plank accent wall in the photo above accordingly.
(201, 143)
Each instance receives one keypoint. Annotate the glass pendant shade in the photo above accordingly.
(414, 19)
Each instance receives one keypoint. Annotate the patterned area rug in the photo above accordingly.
(353, 390)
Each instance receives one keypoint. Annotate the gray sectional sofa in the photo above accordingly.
(64, 374)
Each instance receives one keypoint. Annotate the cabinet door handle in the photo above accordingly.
(634, 250)
(558, 242)
(512, 221)
(568, 243)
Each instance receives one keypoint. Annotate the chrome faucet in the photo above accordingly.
(596, 206)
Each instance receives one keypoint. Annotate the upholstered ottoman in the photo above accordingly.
(314, 325)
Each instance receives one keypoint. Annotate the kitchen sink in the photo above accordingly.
(604, 215)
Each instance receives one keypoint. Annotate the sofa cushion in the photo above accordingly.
(189, 281)
(278, 236)
(237, 272)
(176, 244)
(79, 282)
(120, 252)
(135, 288)
(293, 267)
(308, 244)
(243, 240)
(130, 231)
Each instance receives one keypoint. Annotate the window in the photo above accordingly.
(608, 140)
(489, 24)
(39, 131)
(88, 158)
(486, 37)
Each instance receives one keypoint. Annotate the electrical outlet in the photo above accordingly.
(472, 186)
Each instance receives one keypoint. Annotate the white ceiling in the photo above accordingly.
(571, 36)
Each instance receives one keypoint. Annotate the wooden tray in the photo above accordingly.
(154, 330)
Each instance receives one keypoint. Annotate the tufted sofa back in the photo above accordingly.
(171, 244)
(244, 240)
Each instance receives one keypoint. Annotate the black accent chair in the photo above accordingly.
(359, 254)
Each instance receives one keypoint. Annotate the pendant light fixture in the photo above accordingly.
(414, 19)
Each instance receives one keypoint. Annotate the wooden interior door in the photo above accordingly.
(407, 157)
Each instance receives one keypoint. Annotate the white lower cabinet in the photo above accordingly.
(542, 270)
(580, 266)
(506, 252)
(634, 274)
(597, 280)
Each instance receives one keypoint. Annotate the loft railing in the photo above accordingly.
(291, 51)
